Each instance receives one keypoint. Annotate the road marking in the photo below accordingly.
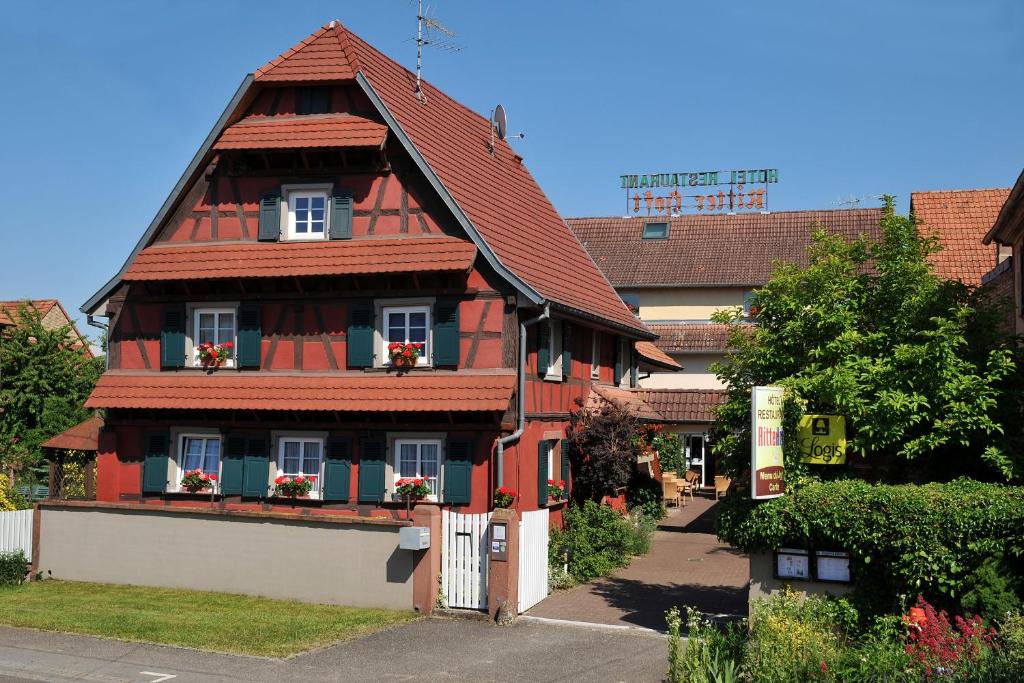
(159, 677)
(587, 624)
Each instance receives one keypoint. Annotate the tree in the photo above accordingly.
(44, 382)
(868, 331)
(604, 445)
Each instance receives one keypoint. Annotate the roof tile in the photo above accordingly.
(295, 132)
(84, 436)
(683, 405)
(320, 57)
(691, 337)
(648, 351)
(624, 400)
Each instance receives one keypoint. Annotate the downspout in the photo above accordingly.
(93, 322)
(520, 395)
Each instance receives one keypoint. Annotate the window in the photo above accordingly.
(301, 456)
(215, 326)
(199, 452)
(748, 300)
(419, 458)
(595, 355)
(307, 215)
(632, 301)
(656, 231)
(312, 100)
(554, 337)
(626, 363)
(551, 459)
(407, 324)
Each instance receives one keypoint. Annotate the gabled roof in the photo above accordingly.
(718, 250)
(1010, 221)
(623, 399)
(9, 317)
(84, 436)
(960, 220)
(491, 193)
(683, 405)
(652, 355)
(289, 259)
(301, 132)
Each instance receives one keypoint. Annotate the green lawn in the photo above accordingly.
(207, 621)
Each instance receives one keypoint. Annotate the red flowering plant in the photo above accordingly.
(404, 355)
(938, 648)
(556, 489)
(413, 487)
(294, 487)
(196, 480)
(504, 496)
(214, 354)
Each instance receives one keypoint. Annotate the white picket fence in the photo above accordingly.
(533, 558)
(464, 559)
(16, 531)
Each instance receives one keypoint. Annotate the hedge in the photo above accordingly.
(903, 540)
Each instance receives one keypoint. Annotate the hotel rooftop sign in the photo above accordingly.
(670, 193)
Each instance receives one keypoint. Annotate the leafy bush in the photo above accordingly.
(599, 540)
(1011, 635)
(13, 568)
(6, 494)
(671, 453)
(903, 540)
(993, 589)
(712, 655)
(605, 445)
(644, 494)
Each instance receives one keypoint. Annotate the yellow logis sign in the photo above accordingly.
(822, 439)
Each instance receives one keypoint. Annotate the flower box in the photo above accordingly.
(294, 487)
(196, 481)
(404, 355)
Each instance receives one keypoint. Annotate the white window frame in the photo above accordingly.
(396, 456)
(179, 462)
(217, 310)
(553, 373)
(551, 460)
(595, 355)
(427, 357)
(317, 491)
(291, 192)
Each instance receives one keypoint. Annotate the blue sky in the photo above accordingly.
(106, 102)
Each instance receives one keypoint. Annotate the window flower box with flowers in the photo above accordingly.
(404, 355)
(410, 489)
(196, 480)
(214, 355)
(294, 487)
(556, 489)
(504, 496)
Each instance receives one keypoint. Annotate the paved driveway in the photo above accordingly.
(426, 650)
(687, 565)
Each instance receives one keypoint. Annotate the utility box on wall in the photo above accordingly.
(414, 538)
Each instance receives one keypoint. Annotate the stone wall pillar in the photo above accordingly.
(503, 575)
(427, 568)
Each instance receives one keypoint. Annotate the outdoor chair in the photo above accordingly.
(692, 481)
(721, 485)
(670, 492)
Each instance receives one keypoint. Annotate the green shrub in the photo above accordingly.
(599, 540)
(671, 454)
(13, 568)
(1011, 636)
(712, 655)
(992, 590)
(644, 493)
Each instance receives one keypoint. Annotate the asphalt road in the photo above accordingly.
(430, 649)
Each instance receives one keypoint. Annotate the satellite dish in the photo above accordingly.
(500, 122)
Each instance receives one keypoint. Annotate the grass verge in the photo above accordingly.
(205, 621)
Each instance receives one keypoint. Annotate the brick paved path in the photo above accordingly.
(687, 565)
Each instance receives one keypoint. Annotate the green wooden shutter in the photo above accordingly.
(232, 465)
(360, 334)
(270, 216)
(371, 470)
(172, 337)
(156, 464)
(341, 214)
(446, 332)
(543, 347)
(256, 469)
(566, 350)
(564, 459)
(338, 469)
(458, 471)
(543, 452)
(250, 336)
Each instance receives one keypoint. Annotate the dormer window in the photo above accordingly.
(307, 217)
(312, 100)
(656, 230)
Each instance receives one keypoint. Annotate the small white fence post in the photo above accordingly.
(16, 531)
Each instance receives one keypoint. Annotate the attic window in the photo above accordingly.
(312, 100)
(656, 231)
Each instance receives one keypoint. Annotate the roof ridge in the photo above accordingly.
(342, 34)
(973, 189)
(279, 59)
(721, 215)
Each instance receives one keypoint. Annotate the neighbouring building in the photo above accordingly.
(1008, 232)
(51, 314)
(677, 272)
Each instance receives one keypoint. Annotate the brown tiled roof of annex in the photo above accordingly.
(960, 219)
(299, 132)
(624, 400)
(650, 353)
(722, 250)
(281, 259)
(683, 405)
(691, 337)
(343, 392)
(84, 436)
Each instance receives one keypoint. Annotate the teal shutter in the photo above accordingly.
(618, 361)
(543, 347)
(564, 459)
(458, 471)
(371, 471)
(270, 216)
(338, 469)
(250, 336)
(256, 469)
(155, 466)
(446, 332)
(231, 466)
(341, 215)
(543, 449)
(634, 371)
(172, 337)
(360, 334)
(566, 350)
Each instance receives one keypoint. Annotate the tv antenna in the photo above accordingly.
(499, 126)
(430, 31)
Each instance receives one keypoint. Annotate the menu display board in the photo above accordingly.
(832, 566)
(792, 563)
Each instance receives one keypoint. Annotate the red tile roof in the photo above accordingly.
(344, 392)
(624, 400)
(650, 353)
(691, 337)
(279, 259)
(960, 219)
(316, 58)
(683, 405)
(84, 436)
(294, 132)
(9, 309)
(726, 250)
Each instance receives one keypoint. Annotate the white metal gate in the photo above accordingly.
(16, 531)
(533, 558)
(464, 559)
